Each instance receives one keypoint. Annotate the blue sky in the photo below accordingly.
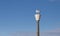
(18, 16)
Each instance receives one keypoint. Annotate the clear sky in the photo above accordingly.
(18, 15)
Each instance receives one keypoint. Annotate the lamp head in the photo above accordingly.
(37, 15)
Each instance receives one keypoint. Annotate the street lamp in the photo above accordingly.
(37, 17)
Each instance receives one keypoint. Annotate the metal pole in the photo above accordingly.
(37, 16)
(38, 28)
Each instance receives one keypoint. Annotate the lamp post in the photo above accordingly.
(37, 17)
